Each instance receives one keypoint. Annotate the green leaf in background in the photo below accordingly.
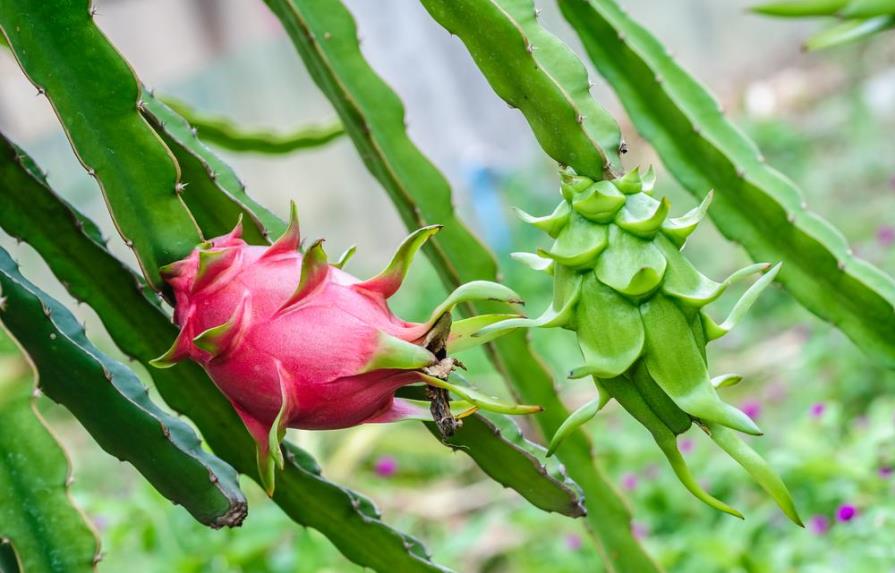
(325, 36)
(223, 133)
(754, 204)
(142, 331)
(849, 31)
(858, 19)
(800, 8)
(58, 45)
(108, 399)
(40, 527)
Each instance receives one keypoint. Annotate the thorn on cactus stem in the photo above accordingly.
(40, 91)
(179, 187)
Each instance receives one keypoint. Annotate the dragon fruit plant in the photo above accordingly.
(622, 284)
(296, 342)
(267, 337)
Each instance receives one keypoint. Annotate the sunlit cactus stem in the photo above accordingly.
(637, 305)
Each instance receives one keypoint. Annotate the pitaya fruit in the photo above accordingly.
(295, 342)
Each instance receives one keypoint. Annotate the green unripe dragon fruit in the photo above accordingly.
(296, 342)
(637, 304)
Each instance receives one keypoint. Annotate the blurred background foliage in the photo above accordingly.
(829, 412)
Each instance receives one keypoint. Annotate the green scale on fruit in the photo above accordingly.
(637, 305)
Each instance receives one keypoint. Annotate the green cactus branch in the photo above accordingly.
(58, 45)
(513, 461)
(857, 19)
(532, 70)
(41, 530)
(223, 133)
(325, 37)
(212, 191)
(142, 331)
(527, 465)
(754, 204)
(129, 426)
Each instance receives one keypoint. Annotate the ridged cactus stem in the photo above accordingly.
(637, 305)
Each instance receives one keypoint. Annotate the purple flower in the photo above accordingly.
(101, 523)
(752, 408)
(386, 466)
(819, 524)
(885, 236)
(629, 481)
(685, 446)
(638, 530)
(885, 472)
(846, 512)
(652, 471)
(818, 409)
(573, 542)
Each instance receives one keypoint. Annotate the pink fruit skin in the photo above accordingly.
(317, 347)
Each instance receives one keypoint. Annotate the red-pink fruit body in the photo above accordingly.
(330, 347)
(293, 341)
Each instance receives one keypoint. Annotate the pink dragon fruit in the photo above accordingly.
(293, 341)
